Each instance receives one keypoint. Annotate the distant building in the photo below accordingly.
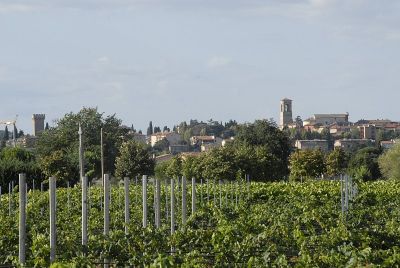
(351, 144)
(286, 116)
(327, 119)
(312, 145)
(163, 158)
(177, 149)
(227, 141)
(200, 140)
(38, 123)
(209, 146)
(388, 144)
(141, 138)
(26, 141)
(172, 137)
(367, 132)
(337, 130)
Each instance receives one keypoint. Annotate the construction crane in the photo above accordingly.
(9, 123)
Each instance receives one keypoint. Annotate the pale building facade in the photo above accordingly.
(350, 144)
(323, 145)
(327, 119)
(172, 137)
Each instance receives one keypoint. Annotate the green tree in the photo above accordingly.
(16, 153)
(6, 134)
(15, 160)
(219, 164)
(150, 129)
(174, 168)
(161, 146)
(389, 163)
(336, 162)
(306, 164)
(58, 147)
(133, 160)
(271, 139)
(366, 159)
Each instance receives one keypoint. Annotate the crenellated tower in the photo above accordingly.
(38, 123)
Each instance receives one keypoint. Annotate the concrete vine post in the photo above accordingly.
(22, 219)
(172, 206)
(144, 200)
(106, 185)
(52, 199)
(84, 183)
(193, 196)
(126, 187)
(184, 189)
(166, 201)
(158, 204)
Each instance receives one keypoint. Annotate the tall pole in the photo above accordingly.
(144, 200)
(80, 152)
(126, 186)
(106, 185)
(106, 204)
(158, 204)
(193, 195)
(172, 207)
(52, 198)
(22, 218)
(183, 200)
(102, 152)
(84, 213)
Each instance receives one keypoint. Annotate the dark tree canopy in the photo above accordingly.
(133, 160)
(266, 134)
(58, 147)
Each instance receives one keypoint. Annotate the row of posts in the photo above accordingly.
(107, 197)
(348, 190)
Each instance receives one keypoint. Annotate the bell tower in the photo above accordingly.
(286, 116)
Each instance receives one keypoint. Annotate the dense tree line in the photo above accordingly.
(260, 150)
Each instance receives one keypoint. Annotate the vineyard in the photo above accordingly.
(234, 224)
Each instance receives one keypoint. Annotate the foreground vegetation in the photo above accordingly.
(273, 224)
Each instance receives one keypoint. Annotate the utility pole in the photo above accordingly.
(102, 152)
(80, 152)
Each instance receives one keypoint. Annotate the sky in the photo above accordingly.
(174, 60)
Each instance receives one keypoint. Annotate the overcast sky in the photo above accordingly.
(173, 60)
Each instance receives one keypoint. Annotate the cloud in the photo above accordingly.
(15, 7)
(218, 61)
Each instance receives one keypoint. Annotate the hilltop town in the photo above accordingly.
(320, 131)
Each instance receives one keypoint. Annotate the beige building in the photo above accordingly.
(350, 144)
(200, 140)
(367, 132)
(327, 119)
(172, 137)
(312, 145)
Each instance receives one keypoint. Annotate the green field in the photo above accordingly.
(271, 224)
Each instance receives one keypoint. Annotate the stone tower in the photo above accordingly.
(38, 123)
(286, 113)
